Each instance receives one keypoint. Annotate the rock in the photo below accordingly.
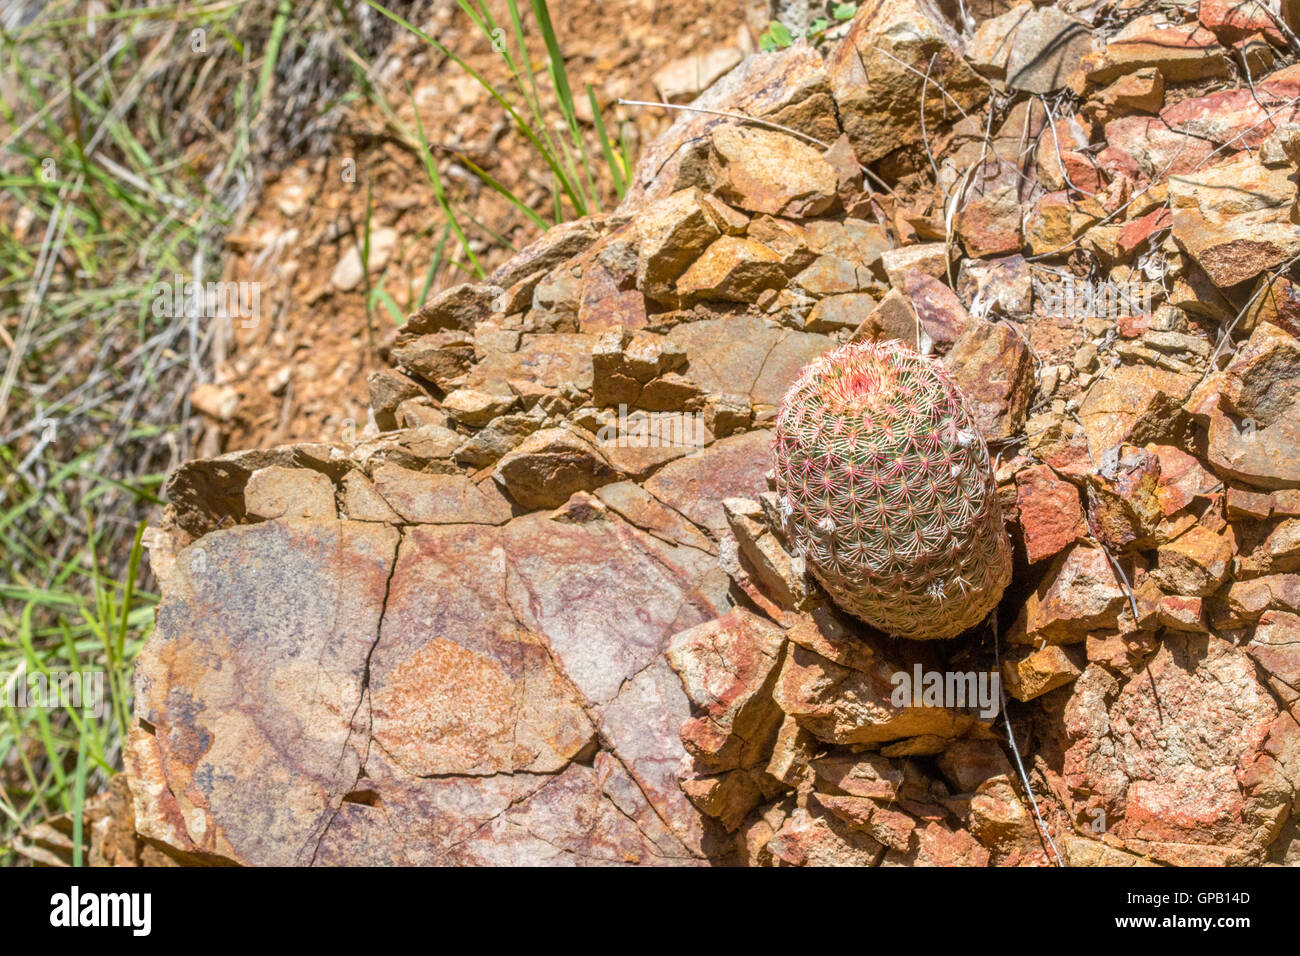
(1142, 91)
(623, 363)
(733, 269)
(348, 273)
(1124, 503)
(388, 390)
(763, 171)
(728, 668)
(879, 70)
(1195, 563)
(809, 838)
(1275, 647)
(731, 468)
(841, 705)
(472, 407)
(745, 355)
(671, 233)
(549, 466)
(459, 307)
(1180, 52)
(1078, 594)
(1135, 404)
(892, 318)
(1254, 424)
(988, 221)
(494, 440)
(846, 311)
(991, 365)
(422, 498)
(725, 414)
(687, 77)
(941, 314)
(216, 401)
(1032, 673)
(1032, 49)
(1160, 754)
(279, 492)
(440, 357)
(1234, 20)
(1233, 218)
(1050, 513)
(363, 502)
(788, 87)
(831, 275)
(928, 258)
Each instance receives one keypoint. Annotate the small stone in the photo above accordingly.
(1050, 513)
(549, 466)
(733, 269)
(279, 492)
(1195, 563)
(472, 407)
(764, 171)
(1030, 674)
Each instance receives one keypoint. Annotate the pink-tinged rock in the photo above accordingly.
(1064, 161)
(930, 258)
(456, 687)
(1275, 646)
(992, 366)
(1182, 478)
(846, 706)
(1123, 498)
(1078, 594)
(988, 222)
(1172, 754)
(424, 498)
(936, 845)
(1243, 504)
(1181, 52)
(253, 705)
(1152, 148)
(1136, 233)
(816, 837)
(1234, 20)
(1050, 514)
(731, 468)
(940, 312)
(1234, 218)
(728, 667)
(1250, 598)
(859, 775)
(1255, 425)
(1238, 119)
(878, 74)
(892, 828)
(727, 797)
(1181, 613)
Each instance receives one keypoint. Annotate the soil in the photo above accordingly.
(300, 372)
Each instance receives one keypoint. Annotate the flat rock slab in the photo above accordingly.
(350, 692)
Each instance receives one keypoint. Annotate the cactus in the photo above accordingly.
(886, 490)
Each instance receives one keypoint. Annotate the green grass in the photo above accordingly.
(124, 153)
(544, 114)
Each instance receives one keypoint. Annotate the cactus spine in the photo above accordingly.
(887, 491)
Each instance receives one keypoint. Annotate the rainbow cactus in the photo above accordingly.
(887, 492)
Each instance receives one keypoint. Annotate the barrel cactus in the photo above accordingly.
(886, 489)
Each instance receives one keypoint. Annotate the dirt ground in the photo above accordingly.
(300, 373)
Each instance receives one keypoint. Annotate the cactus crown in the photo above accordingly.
(887, 491)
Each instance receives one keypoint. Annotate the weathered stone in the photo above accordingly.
(440, 357)
(1181, 52)
(1196, 562)
(1050, 513)
(879, 74)
(990, 363)
(1032, 673)
(685, 78)
(1234, 218)
(549, 466)
(928, 258)
(279, 492)
(1078, 594)
(472, 407)
(765, 171)
(732, 269)
(671, 233)
(459, 307)
(728, 668)
(1123, 498)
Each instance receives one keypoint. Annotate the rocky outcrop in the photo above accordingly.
(542, 611)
